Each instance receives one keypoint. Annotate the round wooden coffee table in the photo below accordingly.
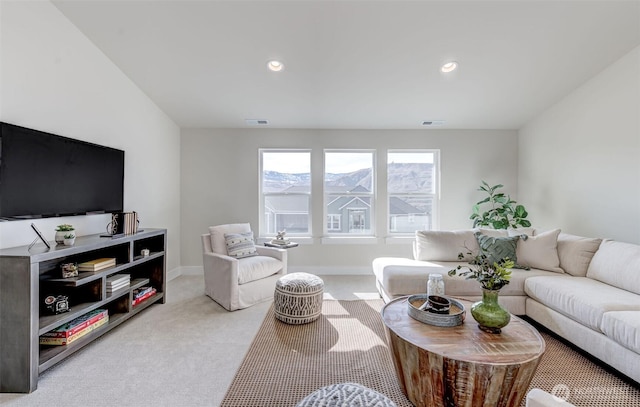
(461, 365)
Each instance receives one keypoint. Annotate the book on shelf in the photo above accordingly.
(78, 324)
(139, 292)
(143, 297)
(117, 281)
(118, 278)
(97, 264)
(45, 340)
(113, 288)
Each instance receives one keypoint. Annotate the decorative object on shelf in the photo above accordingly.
(435, 285)
(56, 304)
(69, 239)
(40, 236)
(438, 304)
(503, 213)
(69, 270)
(418, 309)
(123, 223)
(145, 252)
(62, 230)
(280, 239)
(489, 314)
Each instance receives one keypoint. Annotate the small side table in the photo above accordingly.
(281, 246)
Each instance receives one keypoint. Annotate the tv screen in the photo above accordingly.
(45, 175)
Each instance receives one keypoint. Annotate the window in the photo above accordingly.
(285, 192)
(412, 190)
(333, 222)
(349, 181)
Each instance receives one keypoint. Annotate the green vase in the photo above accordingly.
(490, 315)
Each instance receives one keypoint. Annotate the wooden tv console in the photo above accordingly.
(27, 276)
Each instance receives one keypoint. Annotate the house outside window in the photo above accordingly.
(349, 182)
(285, 192)
(412, 189)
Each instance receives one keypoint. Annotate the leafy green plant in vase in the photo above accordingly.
(498, 210)
(69, 239)
(62, 230)
(489, 314)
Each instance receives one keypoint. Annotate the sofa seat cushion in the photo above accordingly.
(401, 276)
(256, 268)
(582, 299)
(623, 327)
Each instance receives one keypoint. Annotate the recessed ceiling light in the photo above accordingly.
(275, 66)
(449, 67)
(256, 122)
(432, 122)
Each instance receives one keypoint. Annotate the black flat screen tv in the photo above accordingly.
(45, 175)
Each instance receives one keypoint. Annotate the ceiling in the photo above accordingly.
(358, 64)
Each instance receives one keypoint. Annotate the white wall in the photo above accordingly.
(219, 178)
(54, 79)
(579, 161)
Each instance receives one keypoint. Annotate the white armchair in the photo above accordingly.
(239, 283)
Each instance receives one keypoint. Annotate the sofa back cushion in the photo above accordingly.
(440, 245)
(576, 252)
(617, 264)
(218, 241)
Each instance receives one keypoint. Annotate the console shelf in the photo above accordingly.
(27, 276)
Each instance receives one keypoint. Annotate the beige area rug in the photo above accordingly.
(347, 343)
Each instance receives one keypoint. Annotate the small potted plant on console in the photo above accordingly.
(69, 239)
(62, 230)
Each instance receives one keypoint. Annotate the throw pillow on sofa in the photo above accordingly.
(540, 251)
(498, 248)
(576, 252)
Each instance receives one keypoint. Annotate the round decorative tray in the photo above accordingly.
(453, 318)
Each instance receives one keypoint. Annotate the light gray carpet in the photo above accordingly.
(182, 353)
(347, 344)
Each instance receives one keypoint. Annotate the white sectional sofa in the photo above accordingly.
(587, 290)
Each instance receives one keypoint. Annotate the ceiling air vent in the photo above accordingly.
(430, 123)
(256, 122)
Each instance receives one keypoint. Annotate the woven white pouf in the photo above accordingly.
(346, 395)
(298, 298)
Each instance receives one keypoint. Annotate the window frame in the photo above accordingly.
(330, 234)
(262, 209)
(434, 196)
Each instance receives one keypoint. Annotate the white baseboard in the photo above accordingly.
(330, 270)
(317, 270)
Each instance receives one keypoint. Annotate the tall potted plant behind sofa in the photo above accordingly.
(502, 212)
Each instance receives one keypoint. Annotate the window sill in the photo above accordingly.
(350, 240)
(399, 239)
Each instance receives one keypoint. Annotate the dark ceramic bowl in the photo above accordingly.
(438, 304)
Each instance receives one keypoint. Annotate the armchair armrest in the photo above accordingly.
(221, 277)
(280, 254)
(271, 252)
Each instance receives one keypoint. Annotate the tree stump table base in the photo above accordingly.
(462, 365)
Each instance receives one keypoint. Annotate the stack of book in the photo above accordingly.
(142, 293)
(97, 264)
(75, 329)
(117, 281)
